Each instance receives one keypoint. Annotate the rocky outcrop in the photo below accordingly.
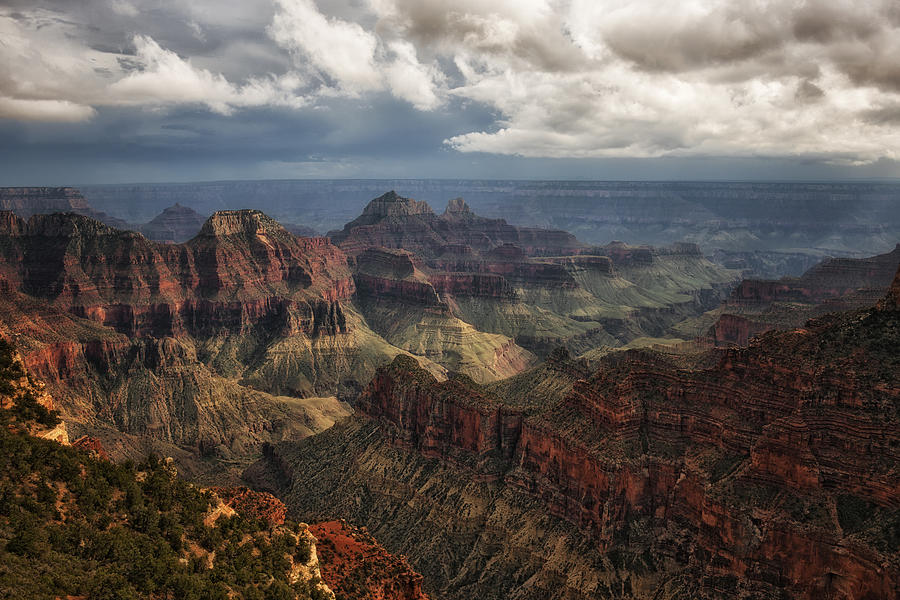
(458, 209)
(242, 336)
(242, 270)
(253, 505)
(891, 301)
(762, 472)
(356, 567)
(381, 273)
(392, 221)
(92, 446)
(735, 330)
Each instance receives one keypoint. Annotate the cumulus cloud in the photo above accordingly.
(700, 77)
(162, 77)
(352, 60)
(564, 78)
(47, 75)
(341, 51)
(54, 111)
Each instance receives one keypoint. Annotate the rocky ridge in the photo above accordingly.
(392, 221)
(532, 289)
(356, 567)
(835, 284)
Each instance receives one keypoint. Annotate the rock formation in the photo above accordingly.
(356, 567)
(176, 224)
(242, 335)
(420, 276)
(392, 221)
(756, 306)
(762, 472)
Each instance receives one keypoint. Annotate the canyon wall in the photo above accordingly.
(748, 473)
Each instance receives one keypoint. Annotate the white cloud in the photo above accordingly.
(65, 80)
(339, 50)
(701, 77)
(58, 111)
(410, 80)
(566, 78)
(166, 78)
(351, 60)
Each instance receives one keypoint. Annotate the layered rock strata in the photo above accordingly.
(763, 472)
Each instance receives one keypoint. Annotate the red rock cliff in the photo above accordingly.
(763, 460)
(243, 269)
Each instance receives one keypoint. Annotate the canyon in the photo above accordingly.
(145, 343)
(248, 334)
(509, 410)
(740, 473)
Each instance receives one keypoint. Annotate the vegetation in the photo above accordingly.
(73, 524)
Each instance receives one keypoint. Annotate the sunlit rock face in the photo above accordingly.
(244, 334)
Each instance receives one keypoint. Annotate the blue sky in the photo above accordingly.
(156, 90)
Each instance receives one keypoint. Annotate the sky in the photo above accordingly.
(111, 91)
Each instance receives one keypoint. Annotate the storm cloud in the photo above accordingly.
(584, 79)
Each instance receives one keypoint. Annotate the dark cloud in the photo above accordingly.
(502, 28)
(723, 36)
(888, 115)
(807, 91)
(358, 86)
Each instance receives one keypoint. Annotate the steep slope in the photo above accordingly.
(403, 306)
(356, 567)
(764, 472)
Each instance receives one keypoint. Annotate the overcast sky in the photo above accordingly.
(159, 90)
